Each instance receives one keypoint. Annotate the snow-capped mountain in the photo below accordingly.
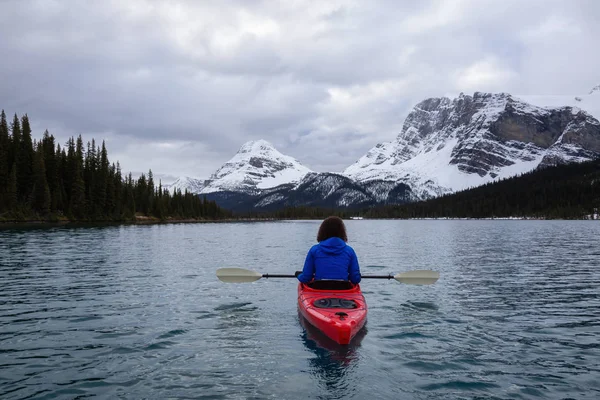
(184, 183)
(257, 165)
(448, 145)
(259, 177)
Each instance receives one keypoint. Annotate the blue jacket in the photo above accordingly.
(331, 259)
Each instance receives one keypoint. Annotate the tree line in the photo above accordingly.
(569, 191)
(302, 212)
(42, 180)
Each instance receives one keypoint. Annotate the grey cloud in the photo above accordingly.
(323, 81)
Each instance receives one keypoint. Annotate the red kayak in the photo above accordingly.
(336, 308)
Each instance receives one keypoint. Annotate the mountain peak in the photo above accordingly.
(256, 165)
(256, 146)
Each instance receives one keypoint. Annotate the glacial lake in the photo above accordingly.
(137, 312)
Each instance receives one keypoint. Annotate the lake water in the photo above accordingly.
(137, 312)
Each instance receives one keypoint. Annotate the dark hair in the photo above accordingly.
(332, 227)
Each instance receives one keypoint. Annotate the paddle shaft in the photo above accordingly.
(277, 276)
(362, 276)
(377, 276)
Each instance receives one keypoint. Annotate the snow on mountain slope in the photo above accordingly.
(184, 183)
(256, 165)
(589, 102)
(448, 145)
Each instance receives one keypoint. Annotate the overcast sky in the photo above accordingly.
(179, 86)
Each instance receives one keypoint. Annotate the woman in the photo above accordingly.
(331, 258)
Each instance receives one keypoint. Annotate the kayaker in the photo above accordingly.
(332, 257)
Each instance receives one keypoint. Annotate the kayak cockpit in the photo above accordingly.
(330, 285)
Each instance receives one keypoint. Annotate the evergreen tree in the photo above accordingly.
(15, 128)
(89, 178)
(51, 164)
(69, 167)
(129, 207)
(59, 198)
(40, 200)
(150, 193)
(118, 193)
(109, 204)
(141, 195)
(158, 208)
(25, 162)
(4, 162)
(102, 179)
(77, 198)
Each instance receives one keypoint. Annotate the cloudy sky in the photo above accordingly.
(179, 86)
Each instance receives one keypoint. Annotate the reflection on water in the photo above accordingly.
(334, 364)
(239, 320)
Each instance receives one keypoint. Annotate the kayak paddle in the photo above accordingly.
(241, 275)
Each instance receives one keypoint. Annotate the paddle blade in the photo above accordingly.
(237, 275)
(418, 277)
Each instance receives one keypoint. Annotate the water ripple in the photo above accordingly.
(136, 312)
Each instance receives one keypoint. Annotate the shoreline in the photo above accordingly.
(140, 220)
(143, 220)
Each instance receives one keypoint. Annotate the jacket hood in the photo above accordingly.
(333, 245)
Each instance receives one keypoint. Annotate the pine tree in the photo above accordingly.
(102, 179)
(15, 128)
(4, 162)
(40, 200)
(158, 209)
(51, 164)
(118, 184)
(89, 177)
(129, 207)
(77, 204)
(25, 162)
(69, 166)
(109, 204)
(61, 198)
(141, 195)
(150, 193)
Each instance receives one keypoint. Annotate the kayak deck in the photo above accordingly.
(336, 308)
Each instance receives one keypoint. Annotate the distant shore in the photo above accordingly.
(145, 220)
(139, 220)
